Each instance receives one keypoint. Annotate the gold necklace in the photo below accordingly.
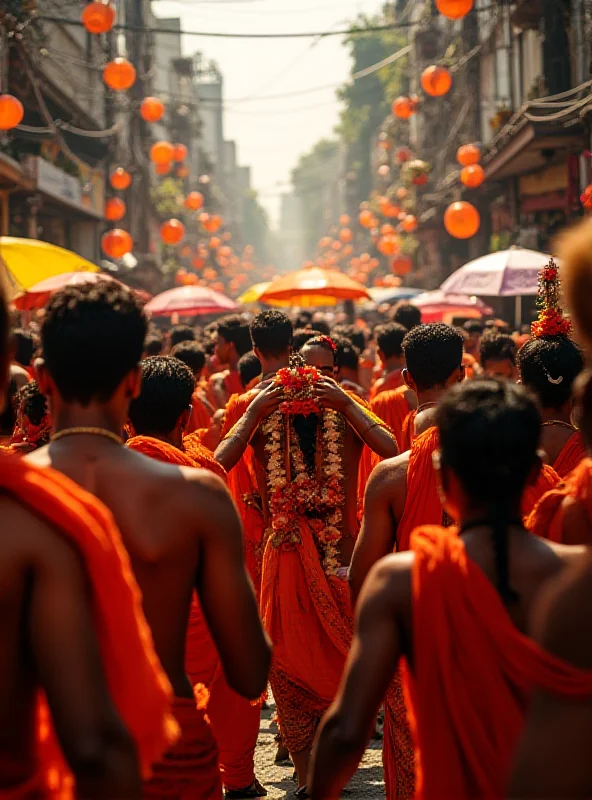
(559, 423)
(90, 431)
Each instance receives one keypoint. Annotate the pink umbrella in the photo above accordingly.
(437, 306)
(190, 301)
(38, 295)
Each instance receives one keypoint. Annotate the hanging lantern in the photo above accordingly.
(115, 209)
(472, 176)
(348, 250)
(172, 231)
(186, 251)
(436, 81)
(346, 235)
(383, 170)
(180, 276)
(401, 265)
(344, 220)
(468, 154)
(454, 9)
(161, 153)
(183, 172)
(116, 243)
(215, 243)
(388, 245)
(373, 263)
(119, 74)
(162, 169)
(402, 216)
(404, 154)
(203, 218)
(462, 220)
(225, 251)
(11, 112)
(120, 179)
(402, 192)
(191, 279)
(386, 229)
(366, 219)
(194, 201)
(409, 224)
(336, 245)
(213, 223)
(98, 17)
(198, 262)
(179, 152)
(403, 108)
(226, 236)
(151, 109)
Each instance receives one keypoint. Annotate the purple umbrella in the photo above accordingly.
(508, 273)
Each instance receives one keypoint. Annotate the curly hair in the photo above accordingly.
(167, 389)
(432, 353)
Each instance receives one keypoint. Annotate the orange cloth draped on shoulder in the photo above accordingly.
(308, 616)
(547, 480)
(200, 414)
(195, 454)
(137, 684)
(473, 674)
(546, 520)
(232, 383)
(244, 489)
(202, 456)
(391, 381)
(393, 408)
(408, 431)
(568, 459)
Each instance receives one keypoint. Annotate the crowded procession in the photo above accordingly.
(250, 426)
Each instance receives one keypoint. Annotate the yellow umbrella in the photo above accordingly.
(254, 292)
(26, 262)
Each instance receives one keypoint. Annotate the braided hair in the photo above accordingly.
(489, 434)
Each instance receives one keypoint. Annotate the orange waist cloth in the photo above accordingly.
(195, 454)
(137, 684)
(547, 480)
(393, 408)
(189, 769)
(392, 380)
(573, 452)
(422, 504)
(309, 619)
(473, 673)
(546, 519)
(200, 414)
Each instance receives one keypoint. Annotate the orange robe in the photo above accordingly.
(408, 431)
(137, 684)
(391, 381)
(231, 383)
(392, 407)
(234, 720)
(201, 416)
(546, 520)
(473, 676)
(573, 452)
(547, 480)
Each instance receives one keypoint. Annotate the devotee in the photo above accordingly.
(347, 359)
(312, 517)
(249, 369)
(393, 407)
(497, 356)
(178, 524)
(301, 336)
(33, 422)
(389, 340)
(456, 607)
(153, 345)
(355, 335)
(75, 645)
(24, 349)
(474, 331)
(233, 340)
(181, 333)
(407, 315)
(191, 354)
(158, 419)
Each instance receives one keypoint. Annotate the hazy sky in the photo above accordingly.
(272, 133)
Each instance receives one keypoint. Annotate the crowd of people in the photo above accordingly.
(388, 521)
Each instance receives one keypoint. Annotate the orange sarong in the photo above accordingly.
(391, 381)
(473, 674)
(547, 480)
(546, 519)
(189, 769)
(309, 619)
(392, 407)
(137, 684)
(573, 452)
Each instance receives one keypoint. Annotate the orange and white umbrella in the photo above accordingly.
(314, 287)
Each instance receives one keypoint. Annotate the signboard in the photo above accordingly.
(85, 193)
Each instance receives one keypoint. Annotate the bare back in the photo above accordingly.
(553, 440)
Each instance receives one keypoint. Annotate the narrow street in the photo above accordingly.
(367, 783)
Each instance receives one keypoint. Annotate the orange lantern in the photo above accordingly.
(346, 235)
(98, 17)
(214, 223)
(388, 245)
(436, 81)
(468, 154)
(180, 276)
(348, 250)
(114, 209)
(203, 218)
(172, 231)
(402, 192)
(364, 258)
(366, 219)
(386, 229)
(186, 251)
(401, 265)
(190, 279)
(403, 108)
(179, 152)
(402, 216)
(404, 154)
(409, 224)
(116, 243)
(183, 172)
(119, 74)
(198, 262)
(462, 220)
(226, 236)
(210, 274)
(11, 112)
(325, 242)
(194, 201)
(472, 176)
(336, 246)
(161, 153)
(454, 9)
(383, 170)
(344, 220)
(215, 243)
(225, 251)
(162, 169)
(373, 263)
(151, 109)
(120, 179)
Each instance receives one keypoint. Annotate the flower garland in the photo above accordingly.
(551, 321)
(298, 381)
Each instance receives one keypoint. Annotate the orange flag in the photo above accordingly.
(137, 684)
(473, 674)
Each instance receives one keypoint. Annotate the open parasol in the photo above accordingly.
(190, 301)
(314, 287)
(38, 295)
(437, 306)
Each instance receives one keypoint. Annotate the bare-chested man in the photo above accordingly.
(456, 606)
(178, 524)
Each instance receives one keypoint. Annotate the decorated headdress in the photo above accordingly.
(551, 321)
